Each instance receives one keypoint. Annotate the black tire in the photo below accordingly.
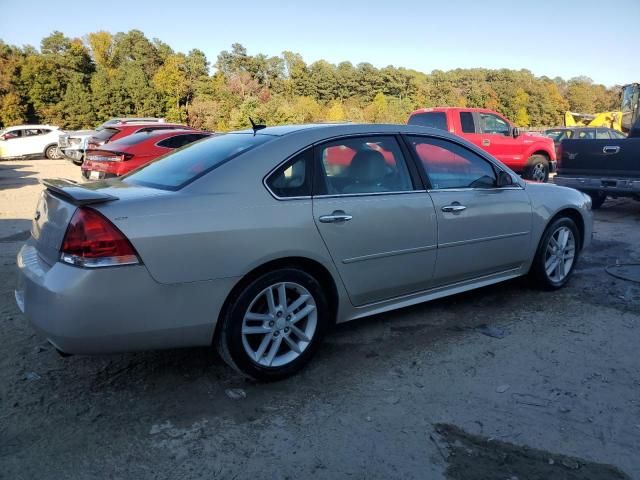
(538, 271)
(537, 169)
(52, 152)
(597, 199)
(229, 342)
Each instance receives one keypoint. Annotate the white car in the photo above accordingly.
(30, 140)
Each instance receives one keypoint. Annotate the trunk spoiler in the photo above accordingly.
(75, 193)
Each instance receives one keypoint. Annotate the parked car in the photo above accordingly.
(581, 133)
(604, 167)
(122, 156)
(30, 141)
(532, 156)
(257, 241)
(74, 144)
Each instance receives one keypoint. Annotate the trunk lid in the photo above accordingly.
(60, 199)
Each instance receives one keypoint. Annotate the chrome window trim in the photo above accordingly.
(370, 194)
(472, 189)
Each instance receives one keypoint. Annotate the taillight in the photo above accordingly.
(105, 156)
(93, 241)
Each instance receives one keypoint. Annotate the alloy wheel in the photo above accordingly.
(560, 254)
(279, 324)
(539, 172)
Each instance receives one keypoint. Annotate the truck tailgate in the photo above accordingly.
(601, 158)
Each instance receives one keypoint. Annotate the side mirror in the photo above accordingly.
(504, 179)
(515, 132)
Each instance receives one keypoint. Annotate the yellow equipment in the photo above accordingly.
(603, 119)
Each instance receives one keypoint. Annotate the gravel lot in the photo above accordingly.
(549, 388)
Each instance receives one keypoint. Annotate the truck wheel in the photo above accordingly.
(52, 152)
(597, 199)
(537, 169)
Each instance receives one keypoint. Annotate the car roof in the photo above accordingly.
(53, 127)
(453, 109)
(145, 124)
(336, 129)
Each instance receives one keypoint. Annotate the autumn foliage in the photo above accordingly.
(78, 83)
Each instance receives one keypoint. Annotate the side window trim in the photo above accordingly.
(319, 188)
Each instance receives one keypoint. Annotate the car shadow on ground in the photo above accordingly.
(14, 230)
(16, 176)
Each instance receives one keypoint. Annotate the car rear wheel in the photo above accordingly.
(557, 254)
(275, 325)
(537, 169)
(597, 199)
(52, 152)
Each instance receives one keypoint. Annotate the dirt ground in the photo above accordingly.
(507, 382)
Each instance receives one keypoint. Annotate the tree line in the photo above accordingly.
(77, 83)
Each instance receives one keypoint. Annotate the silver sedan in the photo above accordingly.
(258, 241)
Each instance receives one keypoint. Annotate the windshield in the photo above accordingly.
(183, 166)
(105, 134)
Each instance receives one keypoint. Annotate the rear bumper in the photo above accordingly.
(96, 175)
(607, 185)
(119, 309)
(73, 154)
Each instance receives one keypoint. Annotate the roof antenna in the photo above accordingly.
(256, 126)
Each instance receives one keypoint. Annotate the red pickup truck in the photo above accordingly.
(532, 156)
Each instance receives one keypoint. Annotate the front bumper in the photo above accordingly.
(117, 309)
(607, 185)
(553, 166)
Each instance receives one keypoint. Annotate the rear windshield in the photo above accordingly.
(136, 138)
(430, 119)
(183, 166)
(105, 134)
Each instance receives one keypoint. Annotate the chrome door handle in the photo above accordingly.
(336, 217)
(611, 149)
(455, 208)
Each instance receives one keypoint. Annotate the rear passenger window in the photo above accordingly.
(363, 165)
(602, 135)
(429, 119)
(293, 179)
(449, 165)
(467, 123)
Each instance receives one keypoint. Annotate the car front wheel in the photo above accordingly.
(274, 325)
(557, 254)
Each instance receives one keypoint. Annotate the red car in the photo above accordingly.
(532, 156)
(121, 156)
(125, 128)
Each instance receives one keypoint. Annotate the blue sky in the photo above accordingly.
(562, 37)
